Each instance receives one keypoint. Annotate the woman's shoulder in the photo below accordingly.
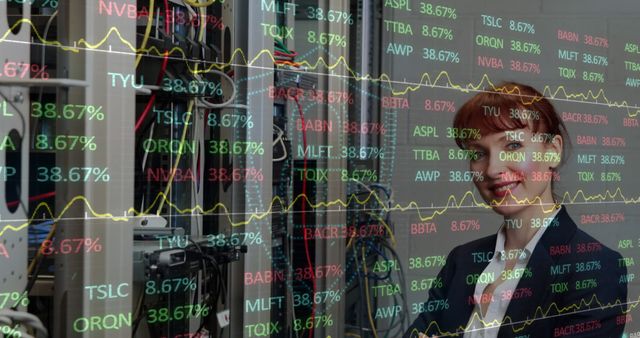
(568, 241)
(583, 243)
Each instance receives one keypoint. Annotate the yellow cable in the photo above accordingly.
(353, 235)
(147, 32)
(197, 4)
(38, 255)
(173, 171)
(203, 20)
(391, 235)
(366, 290)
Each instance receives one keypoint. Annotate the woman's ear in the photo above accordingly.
(555, 146)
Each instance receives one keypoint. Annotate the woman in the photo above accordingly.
(539, 275)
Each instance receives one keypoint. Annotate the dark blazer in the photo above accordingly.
(559, 298)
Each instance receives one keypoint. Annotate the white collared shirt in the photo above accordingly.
(487, 326)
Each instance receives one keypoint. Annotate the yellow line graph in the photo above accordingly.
(539, 314)
(425, 79)
(452, 203)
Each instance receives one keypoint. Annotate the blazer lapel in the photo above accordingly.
(523, 309)
(529, 300)
(462, 292)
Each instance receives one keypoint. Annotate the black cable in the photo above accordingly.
(360, 288)
(139, 314)
(220, 289)
(401, 276)
(204, 266)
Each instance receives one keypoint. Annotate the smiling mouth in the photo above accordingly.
(502, 189)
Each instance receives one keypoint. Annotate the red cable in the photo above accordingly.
(33, 198)
(163, 69)
(292, 55)
(304, 214)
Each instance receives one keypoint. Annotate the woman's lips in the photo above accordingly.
(501, 189)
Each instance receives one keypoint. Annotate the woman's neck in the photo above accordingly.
(531, 220)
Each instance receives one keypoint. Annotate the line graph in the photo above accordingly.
(452, 203)
(239, 58)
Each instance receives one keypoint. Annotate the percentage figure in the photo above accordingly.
(592, 59)
(74, 174)
(465, 225)
(10, 332)
(522, 27)
(92, 245)
(609, 141)
(189, 284)
(232, 120)
(466, 176)
(525, 47)
(328, 39)
(437, 32)
(100, 175)
(595, 41)
(38, 72)
(246, 121)
(438, 11)
(525, 67)
(593, 77)
(440, 55)
(65, 142)
(214, 88)
(69, 111)
(348, 19)
(348, 97)
(317, 321)
(359, 175)
(364, 153)
(240, 238)
(193, 87)
(13, 299)
(524, 114)
(170, 285)
(463, 133)
(225, 147)
(439, 105)
(326, 320)
(437, 305)
(612, 159)
(215, 22)
(422, 285)
(316, 13)
(200, 310)
(545, 157)
(24, 70)
(325, 97)
(88, 142)
(71, 246)
(235, 175)
(335, 296)
(253, 238)
(610, 177)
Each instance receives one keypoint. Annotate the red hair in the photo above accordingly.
(532, 110)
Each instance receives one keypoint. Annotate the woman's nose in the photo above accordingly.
(495, 167)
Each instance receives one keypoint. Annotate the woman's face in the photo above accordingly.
(516, 166)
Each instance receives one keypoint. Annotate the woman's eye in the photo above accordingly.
(514, 146)
(476, 155)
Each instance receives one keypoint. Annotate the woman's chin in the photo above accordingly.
(507, 210)
(504, 206)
